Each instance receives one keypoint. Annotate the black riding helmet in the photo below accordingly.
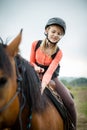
(56, 21)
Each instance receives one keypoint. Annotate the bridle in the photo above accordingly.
(10, 101)
(18, 91)
(14, 96)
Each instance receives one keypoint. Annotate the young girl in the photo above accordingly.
(46, 58)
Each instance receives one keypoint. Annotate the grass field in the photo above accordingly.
(80, 98)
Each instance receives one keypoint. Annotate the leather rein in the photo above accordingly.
(15, 95)
(10, 101)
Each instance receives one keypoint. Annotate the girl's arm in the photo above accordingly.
(48, 74)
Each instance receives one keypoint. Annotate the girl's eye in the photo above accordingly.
(53, 31)
(59, 34)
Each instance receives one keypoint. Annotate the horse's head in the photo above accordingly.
(8, 83)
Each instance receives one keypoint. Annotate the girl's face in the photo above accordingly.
(54, 33)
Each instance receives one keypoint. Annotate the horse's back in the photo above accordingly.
(49, 119)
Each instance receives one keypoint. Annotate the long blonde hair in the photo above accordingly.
(43, 47)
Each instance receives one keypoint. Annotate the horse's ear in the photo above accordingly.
(13, 47)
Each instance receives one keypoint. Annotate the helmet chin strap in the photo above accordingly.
(49, 40)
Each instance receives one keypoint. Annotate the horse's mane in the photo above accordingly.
(4, 61)
(31, 82)
(32, 86)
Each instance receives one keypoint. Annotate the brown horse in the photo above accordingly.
(22, 107)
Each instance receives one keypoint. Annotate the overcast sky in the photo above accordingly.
(32, 15)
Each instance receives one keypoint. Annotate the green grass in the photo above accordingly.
(80, 95)
(80, 99)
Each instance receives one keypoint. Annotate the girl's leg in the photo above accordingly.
(67, 99)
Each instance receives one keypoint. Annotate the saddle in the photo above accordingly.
(58, 103)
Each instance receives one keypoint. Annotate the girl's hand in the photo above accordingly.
(38, 69)
(41, 70)
(43, 87)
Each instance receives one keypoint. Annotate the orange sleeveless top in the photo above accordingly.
(43, 59)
